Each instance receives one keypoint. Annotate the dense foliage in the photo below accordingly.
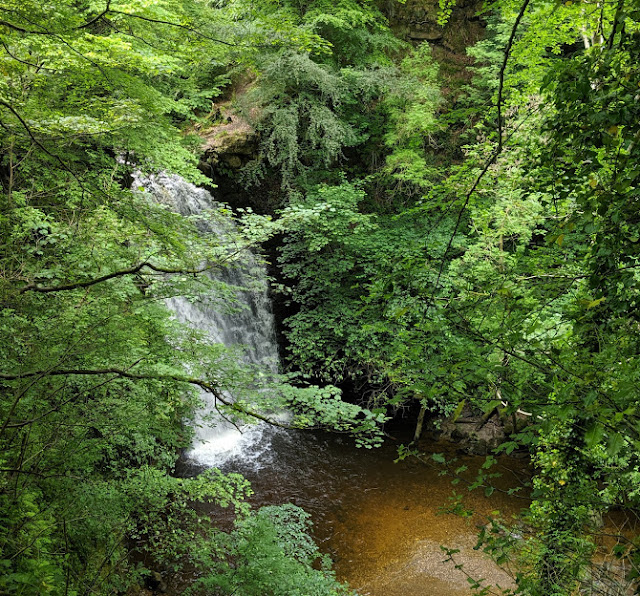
(98, 381)
(474, 246)
(505, 281)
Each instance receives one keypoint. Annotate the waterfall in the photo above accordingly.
(249, 326)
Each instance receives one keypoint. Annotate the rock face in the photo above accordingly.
(417, 20)
(231, 141)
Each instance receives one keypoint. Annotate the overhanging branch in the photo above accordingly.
(34, 287)
(172, 24)
(126, 374)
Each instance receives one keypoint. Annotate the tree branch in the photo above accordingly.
(34, 287)
(47, 32)
(96, 19)
(490, 161)
(616, 20)
(22, 29)
(171, 24)
(32, 136)
(503, 68)
(204, 385)
(38, 67)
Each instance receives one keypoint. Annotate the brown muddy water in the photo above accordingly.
(382, 522)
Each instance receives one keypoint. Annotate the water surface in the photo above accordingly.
(381, 522)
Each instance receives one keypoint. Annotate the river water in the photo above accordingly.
(381, 522)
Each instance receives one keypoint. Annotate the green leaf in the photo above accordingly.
(614, 444)
(594, 435)
(458, 411)
(594, 303)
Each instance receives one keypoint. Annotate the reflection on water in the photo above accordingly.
(379, 520)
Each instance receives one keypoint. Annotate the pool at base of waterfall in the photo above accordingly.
(381, 522)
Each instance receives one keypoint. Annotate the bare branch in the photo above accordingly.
(204, 385)
(34, 287)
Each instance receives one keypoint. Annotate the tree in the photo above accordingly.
(582, 405)
(97, 378)
(516, 291)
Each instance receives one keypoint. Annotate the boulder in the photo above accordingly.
(471, 432)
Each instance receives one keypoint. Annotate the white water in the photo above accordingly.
(249, 325)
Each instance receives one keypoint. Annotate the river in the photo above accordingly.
(381, 522)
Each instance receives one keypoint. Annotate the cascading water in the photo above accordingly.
(249, 325)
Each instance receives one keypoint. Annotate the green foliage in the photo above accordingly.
(411, 121)
(359, 283)
(300, 111)
(598, 144)
(507, 281)
(566, 324)
(324, 254)
(342, 33)
(309, 101)
(274, 554)
(98, 380)
(324, 408)
(446, 8)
